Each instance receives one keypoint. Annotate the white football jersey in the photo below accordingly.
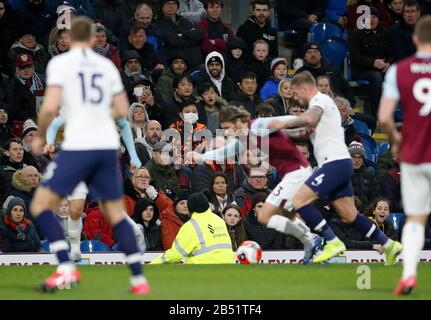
(328, 140)
(89, 82)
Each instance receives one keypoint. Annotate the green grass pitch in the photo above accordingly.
(260, 282)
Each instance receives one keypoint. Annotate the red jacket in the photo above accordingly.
(170, 225)
(162, 202)
(220, 43)
(97, 227)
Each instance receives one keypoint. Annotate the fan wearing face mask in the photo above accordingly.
(187, 127)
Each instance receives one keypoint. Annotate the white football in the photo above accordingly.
(249, 252)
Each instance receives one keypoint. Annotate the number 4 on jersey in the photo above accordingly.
(318, 180)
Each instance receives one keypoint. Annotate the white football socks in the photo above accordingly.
(413, 239)
(74, 233)
(295, 228)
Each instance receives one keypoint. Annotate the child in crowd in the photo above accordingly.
(278, 72)
(324, 85)
(260, 64)
(209, 105)
(235, 58)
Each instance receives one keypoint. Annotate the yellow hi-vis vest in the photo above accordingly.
(204, 239)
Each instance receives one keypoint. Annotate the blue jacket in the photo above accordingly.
(269, 89)
(334, 9)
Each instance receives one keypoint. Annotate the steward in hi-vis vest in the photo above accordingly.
(204, 239)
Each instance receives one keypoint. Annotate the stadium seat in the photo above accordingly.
(369, 145)
(334, 50)
(94, 246)
(361, 127)
(397, 221)
(45, 246)
(321, 31)
(380, 149)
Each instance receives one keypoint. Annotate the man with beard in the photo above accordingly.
(38, 16)
(317, 66)
(258, 27)
(144, 147)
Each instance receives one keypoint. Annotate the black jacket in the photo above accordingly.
(20, 101)
(340, 85)
(153, 235)
(29, 242)
(265, 237)
(112, 13)
(262, 69)
(365, 46)
(364, 186)
(250, 32)
(240, 99)
(188, 43)
(149, 57)
(298, 9)
(235, 68)
(202, 174)
(227, 86)
(401, 41)
(8, 35)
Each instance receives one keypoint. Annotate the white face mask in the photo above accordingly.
(190, 117)
(138, 91)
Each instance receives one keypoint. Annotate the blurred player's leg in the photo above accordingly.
(76, 208)
(42, 207)
(277, 202)
(126, 236)
(415, 190)
(139, 233)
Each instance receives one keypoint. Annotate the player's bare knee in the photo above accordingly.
(263, 219)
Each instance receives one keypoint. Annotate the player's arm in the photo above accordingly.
(261, 126)
(49, 110)
(310, 118)
(221, 154)
(126, 134)
(53, 128)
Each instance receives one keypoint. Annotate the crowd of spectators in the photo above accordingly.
(180, 63)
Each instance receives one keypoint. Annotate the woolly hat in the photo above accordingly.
(14, 202)
(276, 62)
(28, 126)
(356, 148)
(258, 197)
(374, 12)
(130, 54)
(215, 59)
(162, 2)
(183, 195)
(198, 202)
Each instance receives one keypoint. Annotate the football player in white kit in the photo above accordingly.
(89, 89)
(332, 180)
(77, 199)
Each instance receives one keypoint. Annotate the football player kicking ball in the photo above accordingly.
(332, 181)
(91, 95)
(284, 156)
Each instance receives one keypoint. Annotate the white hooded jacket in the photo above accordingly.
(217, 82)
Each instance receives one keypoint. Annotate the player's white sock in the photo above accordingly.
(74, 232)
(137, 280)
(139, 233)
(413, 239)
(296, 228)
(66, 267)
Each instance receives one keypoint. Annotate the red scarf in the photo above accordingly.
(11, 224)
